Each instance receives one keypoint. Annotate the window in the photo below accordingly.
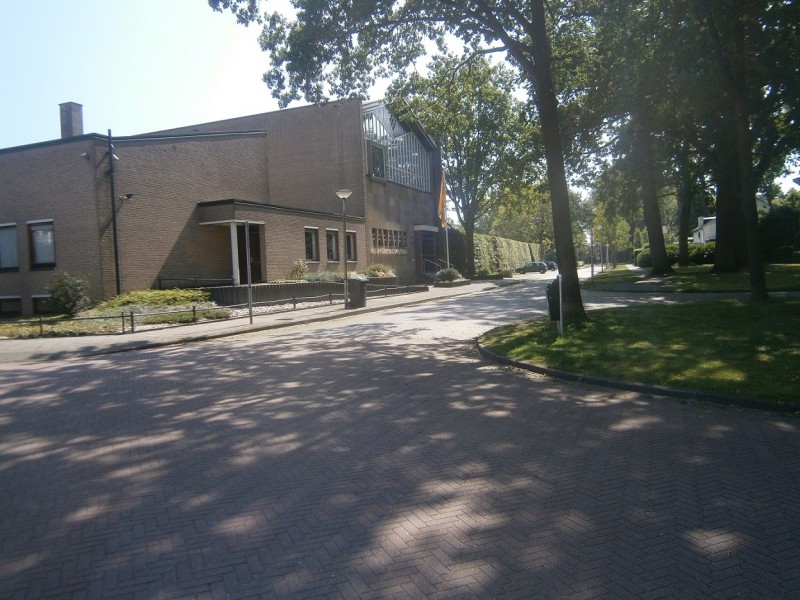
(10, 306)
(378, 162)
(42, 305)
(389, 241)
(332, 241)
(351, 246)
(8, 247)
(312, 244)
(43, 254)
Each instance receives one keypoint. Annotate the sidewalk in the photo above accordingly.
(24, 350)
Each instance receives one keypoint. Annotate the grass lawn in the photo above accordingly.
(727, 346)
(695, 278)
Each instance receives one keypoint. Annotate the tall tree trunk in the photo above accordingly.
(685, 196)
(469, 243)
(744, 152)
(643, 140)
(547, 104)
(729, 255)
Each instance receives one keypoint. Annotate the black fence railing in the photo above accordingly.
(190, 281)
(131, 321)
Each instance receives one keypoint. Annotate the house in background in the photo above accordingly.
(706, 230)
(142, 211)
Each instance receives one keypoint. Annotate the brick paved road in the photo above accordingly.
(381, 458)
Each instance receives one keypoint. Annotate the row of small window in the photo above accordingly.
(11, 306)
(41, 245)
(331, 244)
(389, 238)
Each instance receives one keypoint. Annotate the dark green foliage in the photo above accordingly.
(644, 259)
(173, 297)
(448, 275)
(702, 254)
(68, 293)
(495, 255)
(780, 233)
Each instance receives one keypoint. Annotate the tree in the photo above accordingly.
(523, 214)
(470, 112)
(332, 48)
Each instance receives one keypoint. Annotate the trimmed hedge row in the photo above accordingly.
(493, 255)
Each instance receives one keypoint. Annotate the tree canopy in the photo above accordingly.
(335, 49)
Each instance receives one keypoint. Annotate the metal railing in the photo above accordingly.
(129, 321)
(191, 281)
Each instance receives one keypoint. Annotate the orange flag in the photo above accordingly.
(442, 204)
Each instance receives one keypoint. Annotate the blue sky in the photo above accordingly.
(135, 66)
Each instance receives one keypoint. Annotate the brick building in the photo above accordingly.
(185, 201)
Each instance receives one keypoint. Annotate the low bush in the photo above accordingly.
(173, 297)
(702, 254)
(183, 317)
(448, 275)
(325, 276)
(379, 270)
(68, 293)
(643, 259)
(299, 270)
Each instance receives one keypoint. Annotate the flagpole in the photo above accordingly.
(447, 243)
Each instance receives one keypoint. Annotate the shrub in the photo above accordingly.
(299, 270)
(701, 254)
(379, 270)
(448, 275)
(68, 293)
(325, 276)
(173, 297)
(643, 259)
(182, 317)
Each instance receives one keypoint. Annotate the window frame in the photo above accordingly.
(351, 254)
(332, 250)
(41, 225)
(5, 301)
(12, 265)
(311, 234)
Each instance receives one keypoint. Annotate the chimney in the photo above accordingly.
(71, 119)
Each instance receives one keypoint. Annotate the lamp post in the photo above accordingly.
(344, 195)
(113, 211)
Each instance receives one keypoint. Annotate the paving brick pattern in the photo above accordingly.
(381, 458)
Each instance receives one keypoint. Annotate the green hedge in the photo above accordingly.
(496, 255)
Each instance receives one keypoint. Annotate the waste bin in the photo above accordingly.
(356, 293)
(553, 305)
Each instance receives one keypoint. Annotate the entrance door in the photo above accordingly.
(255, 253)
(428, 253)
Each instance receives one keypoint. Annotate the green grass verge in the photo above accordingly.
(730, 347)
(696, 278)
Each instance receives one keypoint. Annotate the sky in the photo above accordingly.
(135, 65)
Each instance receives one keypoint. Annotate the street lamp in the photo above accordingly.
(344, 195)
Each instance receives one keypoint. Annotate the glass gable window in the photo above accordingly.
(395, 153)
(42, 242)
(312, 244)
(8, 246)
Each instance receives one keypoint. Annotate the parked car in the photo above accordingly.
(550, 265)
(533, 267)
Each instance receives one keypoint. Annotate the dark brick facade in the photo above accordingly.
(177, 191)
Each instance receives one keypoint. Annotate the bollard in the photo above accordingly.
(122, 314)
(194, 314)
(133, 326)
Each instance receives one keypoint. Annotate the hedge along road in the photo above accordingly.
(380, 456)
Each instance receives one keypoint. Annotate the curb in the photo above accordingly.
(646, 388)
